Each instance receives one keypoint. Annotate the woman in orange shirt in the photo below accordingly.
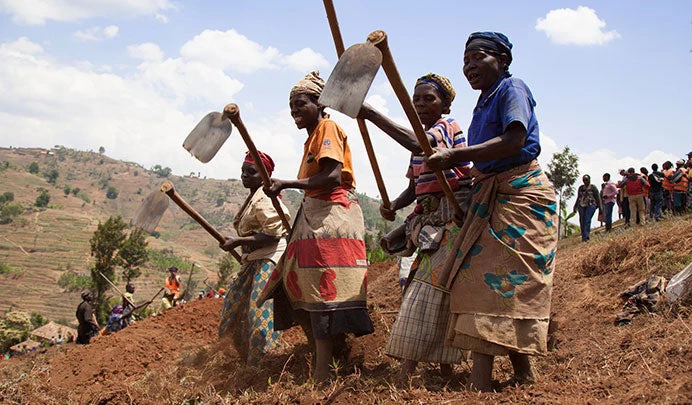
(324, 271)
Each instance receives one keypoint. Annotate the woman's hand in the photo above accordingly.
(387, 213)
(229, 244)
(275, 189)
(441, 159)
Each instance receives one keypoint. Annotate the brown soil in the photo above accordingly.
(176, 357)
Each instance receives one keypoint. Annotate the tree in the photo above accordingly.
(105, 243)
(102, 150)
(33, 168)
(133, 254)
(112, 193)
(227, 266)
(6, 197)
(161, 171)
(563, 171)
(43, 198)
(52, 176)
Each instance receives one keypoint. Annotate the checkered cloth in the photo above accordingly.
(419, 331)
(251, 327)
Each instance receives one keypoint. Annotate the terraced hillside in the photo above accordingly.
(41, 244)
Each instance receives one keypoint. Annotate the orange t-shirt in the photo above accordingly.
(328, 140)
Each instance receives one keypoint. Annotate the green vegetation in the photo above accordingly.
(112, 193)
(67, 189)
(165, 258)
(107, 240)
(6, 197)
(563, 170)
(161, 171)
(43, 198)
(52, 175)
(73, 282)
(228, 266)
(373, 250)
(9, 212)
(33, 168)
(133, 254)
(14, 328)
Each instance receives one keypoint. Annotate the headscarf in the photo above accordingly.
(173, 269)
(118, 309)
(266, 159)
(311, 84)
(443, 86)
(492, 42)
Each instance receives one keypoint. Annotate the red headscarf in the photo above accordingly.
(266, 159)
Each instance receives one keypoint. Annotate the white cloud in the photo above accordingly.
(97, 33)
(305, 60)
(162, 17)
(37, 12)
(135, 117)
(230, 50)
(147, 51)
(566, 26)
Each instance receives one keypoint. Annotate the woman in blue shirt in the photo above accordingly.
(501, 279)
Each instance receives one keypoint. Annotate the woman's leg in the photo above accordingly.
(481, 372)
(523, 373)
(582, 227)
(323, 356)
(590, 210)
(408, 367)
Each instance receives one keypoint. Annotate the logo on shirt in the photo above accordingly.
(327, 144)
(310, 158)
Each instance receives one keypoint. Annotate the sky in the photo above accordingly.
(611, 78)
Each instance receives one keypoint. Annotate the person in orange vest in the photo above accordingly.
(680, 182)
(171, 294)
(667, 187)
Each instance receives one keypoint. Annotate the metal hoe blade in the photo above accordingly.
(150, 212)
(351, 78)
(208, 136)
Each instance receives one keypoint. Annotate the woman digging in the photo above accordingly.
(261, 236)
(502, 276)
(418, 333)
(324, 271)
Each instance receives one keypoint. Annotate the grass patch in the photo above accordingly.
(72, 282)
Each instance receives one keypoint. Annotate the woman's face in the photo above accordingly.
(483, 69)
(428, 103)
(586, 180)
(249, 176)
(304, 111)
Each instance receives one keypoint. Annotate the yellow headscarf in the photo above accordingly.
(442, 84)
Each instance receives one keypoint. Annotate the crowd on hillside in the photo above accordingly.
(639, 195)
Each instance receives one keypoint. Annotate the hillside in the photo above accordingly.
(42, 244)
(176, 357)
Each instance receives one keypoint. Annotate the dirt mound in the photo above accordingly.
(176, 357)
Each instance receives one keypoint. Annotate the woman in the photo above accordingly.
(588, 200)
(501, 277)
(261, 236)
(418, 333)
(324, 270)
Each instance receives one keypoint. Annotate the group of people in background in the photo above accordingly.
(639, 195)
(488, 294)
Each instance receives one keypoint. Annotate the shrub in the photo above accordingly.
(6, 197)
(67, 190)
(10, 211)
(74, 282)
(112, 193)
(165, 258)
(43, 198)
(52, 176)
(33, 168)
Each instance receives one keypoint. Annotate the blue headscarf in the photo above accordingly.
(492, 42)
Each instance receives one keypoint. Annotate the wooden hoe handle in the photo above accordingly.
(234, 114)
(339, 44)
(379, 39)
(168, 188)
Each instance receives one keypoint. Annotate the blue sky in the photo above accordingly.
(612, 79)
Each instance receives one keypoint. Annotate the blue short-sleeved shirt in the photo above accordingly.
(509, 100)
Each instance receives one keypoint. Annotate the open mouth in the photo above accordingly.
(473, 77)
